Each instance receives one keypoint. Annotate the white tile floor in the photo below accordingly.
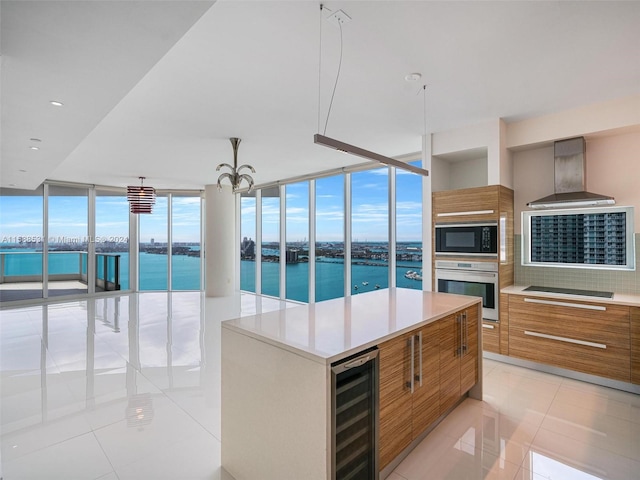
(128, 387)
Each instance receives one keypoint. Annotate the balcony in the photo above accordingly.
(21, 274)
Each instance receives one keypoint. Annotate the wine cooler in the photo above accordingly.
(355, 417)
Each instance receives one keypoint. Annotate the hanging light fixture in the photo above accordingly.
(235, 177)
(141, 199)
(339, 18)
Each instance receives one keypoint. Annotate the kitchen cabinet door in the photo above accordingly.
(450, 328)
(426, 398)
(635, 345)
(469, 354)
(490, 336)
(395, 397)
(583, 336)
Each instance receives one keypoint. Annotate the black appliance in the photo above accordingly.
(467, 239)
(355, 417)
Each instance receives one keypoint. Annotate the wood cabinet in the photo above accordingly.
(635, 345)
(504, 324)
(426, 402)
(406, 414)
(467, 204)
(396, 403)
(407, 410)
(458, 361)
(583, 336)
(493, 203)
(490, 336)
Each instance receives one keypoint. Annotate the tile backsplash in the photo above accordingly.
(579, 278)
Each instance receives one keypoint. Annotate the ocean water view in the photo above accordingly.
(329, 278)
(366, 276)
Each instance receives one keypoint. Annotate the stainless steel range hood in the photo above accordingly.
(570, 179)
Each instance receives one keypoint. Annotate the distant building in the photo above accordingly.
(247, 248)
(292, 256)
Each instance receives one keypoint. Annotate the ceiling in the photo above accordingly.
(156, 88)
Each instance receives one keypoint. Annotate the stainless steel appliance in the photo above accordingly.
(354, 388)
(479, 279)
(467, 239)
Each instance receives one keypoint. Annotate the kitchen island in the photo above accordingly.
(276, 377)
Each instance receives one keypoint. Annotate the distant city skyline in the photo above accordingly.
(370, 209)
(22, 216)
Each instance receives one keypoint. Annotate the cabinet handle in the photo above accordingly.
(475, 212)
(420, 358)
(566, 304)
(565, 339)
(484, 325)
(411, 382)
(465, 336)
(459, 349)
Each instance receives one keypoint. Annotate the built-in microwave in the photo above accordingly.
(473, 239)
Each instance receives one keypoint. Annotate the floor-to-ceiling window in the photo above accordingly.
(153, 269)
(79, 235)
(112, 240)
(369, 230)
(329, 242)
(21, 243)
(409, 228)
(68, 240)
(271, 242)
(248, 242)
(297, 243)
(185, 238)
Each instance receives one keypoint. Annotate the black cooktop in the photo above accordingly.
(570, 291)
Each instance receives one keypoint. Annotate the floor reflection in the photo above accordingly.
(128, 387)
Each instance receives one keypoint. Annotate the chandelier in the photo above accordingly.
(141, 199)
(235, 177)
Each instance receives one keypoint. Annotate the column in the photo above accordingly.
(220, 252)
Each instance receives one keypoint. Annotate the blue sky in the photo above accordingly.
(22, 216)
(370, 213)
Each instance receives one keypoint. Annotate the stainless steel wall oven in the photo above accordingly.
(479, 279)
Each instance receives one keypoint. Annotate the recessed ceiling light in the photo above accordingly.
(33, 147)
(35, 139)
(413, 77)
(56, 103)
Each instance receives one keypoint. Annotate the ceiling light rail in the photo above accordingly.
(360, 167)
(339, 18)
(361, 152)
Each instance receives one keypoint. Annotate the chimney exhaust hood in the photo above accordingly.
(570, 179)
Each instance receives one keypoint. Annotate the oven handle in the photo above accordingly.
(467, 274)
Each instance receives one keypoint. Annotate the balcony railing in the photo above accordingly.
(22, 267)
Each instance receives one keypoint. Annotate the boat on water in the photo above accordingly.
(365, 283)
(411, 275)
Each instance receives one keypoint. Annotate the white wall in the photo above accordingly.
(452, 175)
(613, 116)
(613, 166)
(468, 173)
(489, 136)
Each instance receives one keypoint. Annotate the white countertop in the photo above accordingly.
(618, 298)
(328, 331)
